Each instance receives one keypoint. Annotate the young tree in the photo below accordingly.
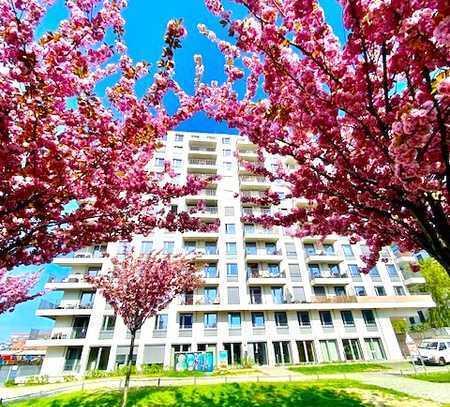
(138, 287)
(15, 289)
(437, 283)
(73, 160)
(365, 122)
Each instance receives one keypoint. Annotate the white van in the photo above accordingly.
(436, 351)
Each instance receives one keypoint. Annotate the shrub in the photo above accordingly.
(36, 380)
(10, 383)
(247, 362)
(69, 378)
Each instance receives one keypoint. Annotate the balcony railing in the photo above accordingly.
(329, 274)
(252, 194)
(320, 252)
(255, 212)
(265, 274)
(266, 252)
(333, 299)
(86, 253)
(211, 210)
(199, 161)
(249, 178)
(71, 333)
(207, 192)
(246, 151)
(201, 148)
(187, 299)
(63, 305)
(249, 230)
(72, 278)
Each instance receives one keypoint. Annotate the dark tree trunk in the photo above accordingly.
(129, 365)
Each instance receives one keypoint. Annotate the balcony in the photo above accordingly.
(252, 194)
(202, 140)
(263, 255)
(260, 233)
(202, 150)
(87, 256)
(333, 299)
(71, 282)
(202, 164)
(323, 256)
(208, 194)
(250, 182)
(49, 309)
(412, 278)
(265, 277)
(329, 278)
(208, 212)
(256, 211)
(405, 257)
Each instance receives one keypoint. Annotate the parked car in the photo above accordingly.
(433, 351)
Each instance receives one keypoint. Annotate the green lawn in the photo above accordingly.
(338, 368)
(436, 377)
(311, 394)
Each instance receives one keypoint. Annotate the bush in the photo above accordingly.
(70, 378)
(247, 362)
(36, 380)
(151, 370)
(10, 383)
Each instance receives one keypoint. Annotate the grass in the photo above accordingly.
(307, 394)
(435, 377)
(338, 368)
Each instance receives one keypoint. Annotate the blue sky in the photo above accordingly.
(146, 22)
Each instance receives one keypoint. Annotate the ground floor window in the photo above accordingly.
(352, 349)
(375, 348)
(98, 358)
(73, 357)
(258, 352)
(329, 350)
(184, 347)
(234, 353)
(282, 352)
(306, 351)
(122, 355)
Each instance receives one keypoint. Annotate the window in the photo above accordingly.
(210, 270)
(375, 348)
(230, 228)
(179, 137)
(274, 269)
(232, 269)
(109, 322)
(399, 290)
(258, 319)
(93, 271)
(271, 248)
(234, 320)
(255, 295)
(303, 318)
(250, 248)
(354, 270)
(329, 350)
(185, 321)
(161, 322)
(233, 295)
(226, 153)
(229, 210)
(369, 317)
(352, 349)
(334, 270)
(210, 295)
(177, 163)
(360, 291)
(168, 247)
(328, 249)
(290, 250)
(281, 319)
(211, 247)
(325, 318)
(380, 291)
(374, 273)
(319, 290)
(87, 299)
(159, 162)
(146, 247)
(227, 165)
(310, 249)
(392, 271)
(190, 246)
(174, 209)
(226, 140)
(294, 272)
(348, 251)
(421, 316)
(277, 295)
(340, 291)
(298, 294)
(123, 248)
(314, 270)
(231, 248)
(364, 249)
(347, 318)
(210, 320)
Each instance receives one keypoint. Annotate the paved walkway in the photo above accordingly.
(439, 392)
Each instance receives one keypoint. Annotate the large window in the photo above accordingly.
(250, 248)
(325, 318)
(369, 317)
(310, 249)
(375, 348)
(230, 228)
(329, 350)
(234, 320)
(380, 291)
(347, 318)
(354, 271)
(291, 251)
(392, 271)
(360, 291)
(306, 351)
(146, 246)
(229, 210)
(314, 270)
(352, 349)
(168, 247)
(303, 318)
(211, 248)
(277, 295)
(399, 290)
(109, 322)
(271, 248)
(258, 319)
(328, 249)
(255, 295)
(274, 269)
(232, 270)
(210, 320)
(177, 163)
(294, 271)
(281, 319)
(210, 270)
(161, 322)
(334, 270)
(190, 246)
(185, 321)
(348, 251)
(211, 295)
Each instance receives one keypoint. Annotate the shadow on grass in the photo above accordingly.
(230, 395)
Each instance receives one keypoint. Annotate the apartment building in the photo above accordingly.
(266, 295)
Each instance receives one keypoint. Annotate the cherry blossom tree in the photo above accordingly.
(15, 289)
(138, 287)
(73, 159)
(365, 121)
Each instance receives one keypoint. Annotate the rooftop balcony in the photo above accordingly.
(329, 278)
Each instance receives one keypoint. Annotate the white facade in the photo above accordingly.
(266, 295)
